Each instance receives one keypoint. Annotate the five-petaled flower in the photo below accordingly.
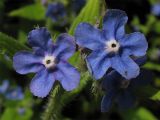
(122, 91)
(49, 61)
(111, 47)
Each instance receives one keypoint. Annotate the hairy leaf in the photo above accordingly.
(9, 45)
(90, 13)
(31, 12)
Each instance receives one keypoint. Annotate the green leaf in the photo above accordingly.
(12, 113)
(59, 98)
(9, 45)
(152, 66)
(1, 5)
(31, 12)
(90, 13)
(156, 96)
(139, 114)
(75, 59)
(157, 26)
(22, 37)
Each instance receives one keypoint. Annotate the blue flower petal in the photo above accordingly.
(141, 60)
(107, 100)
(125, 66)
(65, 47)
(67, 75)
(156, 9)
(98, 63)
(4, 86)
(40, 37)
(26, 62)
(111, 80)
(42, 83)
(135, 43)
(56, 11)
(125, 100)
(88, 36)
(113, 24)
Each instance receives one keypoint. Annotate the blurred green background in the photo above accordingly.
(18, 17)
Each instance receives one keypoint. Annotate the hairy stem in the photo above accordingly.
(52, 111)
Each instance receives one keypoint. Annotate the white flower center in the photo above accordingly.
(112, 46)
(49, 61)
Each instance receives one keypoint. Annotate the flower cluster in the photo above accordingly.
(49, 61)
(111, 48)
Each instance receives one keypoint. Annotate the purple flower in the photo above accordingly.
(4, 86)
(49, 61)
(111, 47)
(14, 93)
(155, 9)
(122, 91)
(56, 11)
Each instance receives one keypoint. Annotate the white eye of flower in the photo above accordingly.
(49, 61)
(112, 46)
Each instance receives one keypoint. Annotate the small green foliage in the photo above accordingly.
(75, 58)
(9, 45)
(12, 113)
(59, 98)
(156, 96)
(152, 66)
(90, 13)
(31, 12)
(139, 114)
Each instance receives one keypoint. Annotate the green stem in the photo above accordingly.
(59, 98)
(52, 111)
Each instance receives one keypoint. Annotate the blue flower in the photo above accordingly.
(4, 86)
(122, 91)
(56, 11)
(49, 61)
(111, 47)
(21, 111)
(78, 4)
(155, 9)
(14, 93)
